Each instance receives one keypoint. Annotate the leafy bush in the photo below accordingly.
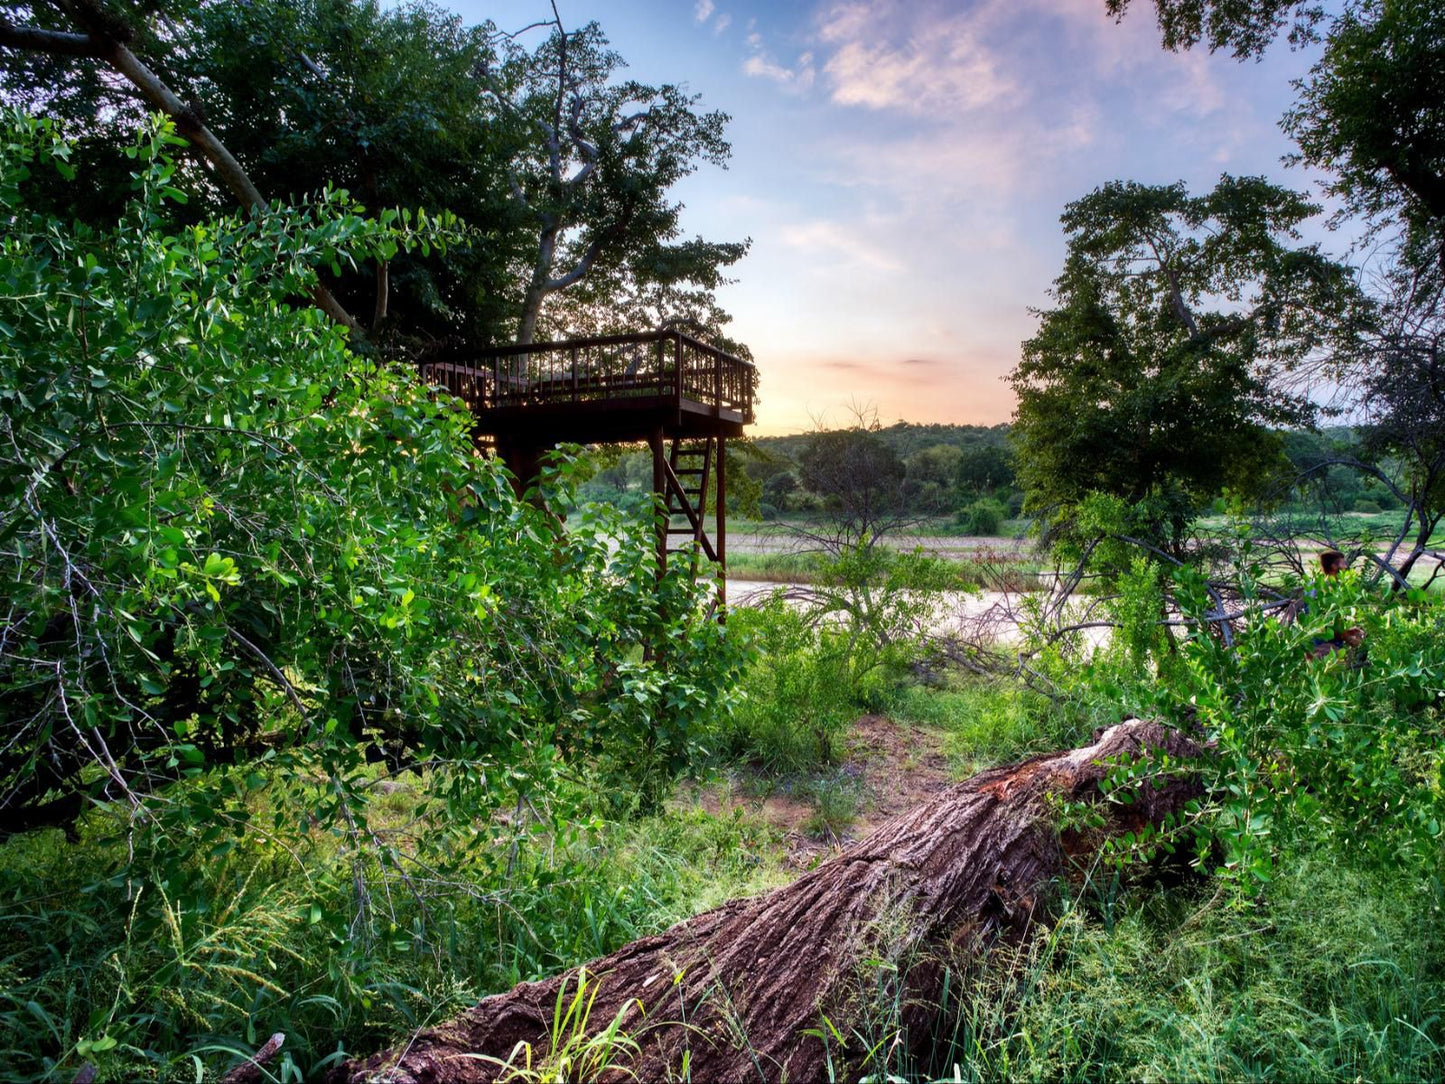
(1318, 741)
(796, 697)
(1328, 727)
(984, 517)
(257, 579)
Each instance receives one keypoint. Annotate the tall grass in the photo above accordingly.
(1337, 973)
(987, 723)
(147, 984)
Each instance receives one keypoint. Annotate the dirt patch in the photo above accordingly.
(889, 769)
(903, 766)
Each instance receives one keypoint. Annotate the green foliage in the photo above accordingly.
(987, 723)
(256, 583)
(984, 517)
(1333, 974)
(859, 479)
(149, 980)
(1150, 380)
(1368, 114)
(1325, 727)
(796, 696)
(878, 605)
(407, 104)
(1139, 608)
(983, 469)
(1244, 27)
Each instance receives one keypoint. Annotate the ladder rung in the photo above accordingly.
(687, 470)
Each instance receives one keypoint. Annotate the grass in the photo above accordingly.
(774, 567)
(1337, 972)
(836, 798)
(987, 723)
(149, 984)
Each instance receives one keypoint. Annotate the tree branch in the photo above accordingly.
(583, 265)
(98, 43)
(383, 293)
(57, 42)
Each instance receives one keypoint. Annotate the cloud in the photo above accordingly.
(831, 237)
(721, 23)
(888, 56)
(702, 10)
(762, 65)
(920, 361)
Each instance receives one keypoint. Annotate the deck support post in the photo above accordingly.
(720, 542)
(524, 461)
(659, 493)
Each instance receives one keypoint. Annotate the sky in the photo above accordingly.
(901, 165)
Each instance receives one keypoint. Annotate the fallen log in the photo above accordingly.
(742, 991)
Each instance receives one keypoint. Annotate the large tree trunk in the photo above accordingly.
(933, 888)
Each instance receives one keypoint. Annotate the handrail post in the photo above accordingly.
(677, 362)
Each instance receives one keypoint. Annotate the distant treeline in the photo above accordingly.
(962, 472)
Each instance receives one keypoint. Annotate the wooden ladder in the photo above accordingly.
(688, 471)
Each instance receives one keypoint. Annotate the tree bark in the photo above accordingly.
(740, 988)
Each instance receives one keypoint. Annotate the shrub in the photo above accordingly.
(983, 517)
(1311, 739)
(796, 700)
(254, 577)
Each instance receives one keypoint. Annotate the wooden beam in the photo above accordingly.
(659, 489)
(721, 532)
(694, 517)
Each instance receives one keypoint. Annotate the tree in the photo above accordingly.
(102, 39)
(385, 103)
(560, 168)
(233, 542)
(1245, 27)
(983, 468)
(1370, 115)
(928, 486)
(591, 163)
(1155, 376)
(860, 480)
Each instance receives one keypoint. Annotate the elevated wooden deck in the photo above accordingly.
(613, 388)
(681, 396)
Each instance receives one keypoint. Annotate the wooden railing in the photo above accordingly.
(659, 364)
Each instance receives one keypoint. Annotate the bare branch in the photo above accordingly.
(57, 42)
(272, 668)
(584, 265)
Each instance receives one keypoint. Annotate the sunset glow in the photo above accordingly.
(901, 167)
